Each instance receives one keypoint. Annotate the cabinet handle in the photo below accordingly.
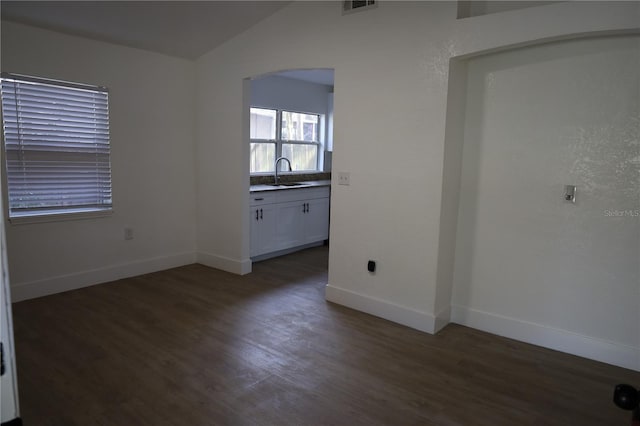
(258, 199)
(256, 214)
(260, 213)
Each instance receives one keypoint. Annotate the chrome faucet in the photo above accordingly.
(276, 173)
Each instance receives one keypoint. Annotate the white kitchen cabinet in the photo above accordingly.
(316, 220)
(289, 225)
(289, 218)
(263, 223)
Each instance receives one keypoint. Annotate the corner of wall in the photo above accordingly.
(235, 266)
(451, 172)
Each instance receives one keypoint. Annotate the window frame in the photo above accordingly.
(279, 141)
(52, 213)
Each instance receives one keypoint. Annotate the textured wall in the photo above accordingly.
(537, 119)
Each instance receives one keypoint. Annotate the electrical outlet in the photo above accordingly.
(344, 178)
(128, 233)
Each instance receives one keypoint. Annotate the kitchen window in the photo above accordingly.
(277, 133)
(56, 145)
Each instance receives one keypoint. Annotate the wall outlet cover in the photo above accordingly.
(128, 233)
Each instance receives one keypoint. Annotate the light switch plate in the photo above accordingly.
(344, 178)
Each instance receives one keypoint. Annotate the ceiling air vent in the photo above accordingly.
(349, 6)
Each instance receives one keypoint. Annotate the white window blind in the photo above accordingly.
(56, 141)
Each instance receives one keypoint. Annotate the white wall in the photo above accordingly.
(392, 75)
(452, 166)
(152, 141)
(536, 119)
(381, 90)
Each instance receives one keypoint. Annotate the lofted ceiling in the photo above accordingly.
(185, 29)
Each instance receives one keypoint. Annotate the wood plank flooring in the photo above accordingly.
(197, 346)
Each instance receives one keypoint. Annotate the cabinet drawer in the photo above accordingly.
(260, 198)
(321, 192)
(300, 194)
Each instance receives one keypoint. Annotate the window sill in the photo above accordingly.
(59, 217)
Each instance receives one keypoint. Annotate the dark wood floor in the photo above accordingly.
(197, 346)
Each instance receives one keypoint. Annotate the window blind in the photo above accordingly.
(56, 140)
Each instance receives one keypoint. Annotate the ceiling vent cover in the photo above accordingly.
(349, 6)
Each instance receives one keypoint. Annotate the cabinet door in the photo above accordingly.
(316, 224)
(289, 225)
(254, 219)
(263, 229)
(268, 229)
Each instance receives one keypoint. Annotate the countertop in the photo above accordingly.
(306, 184)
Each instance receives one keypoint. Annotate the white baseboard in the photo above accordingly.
(240, 267)
(410, 317)
(45, 287)
(549, 337)
(442, 318)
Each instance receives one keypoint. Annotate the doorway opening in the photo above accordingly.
(289, 139)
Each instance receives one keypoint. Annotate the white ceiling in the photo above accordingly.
(185, 29)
